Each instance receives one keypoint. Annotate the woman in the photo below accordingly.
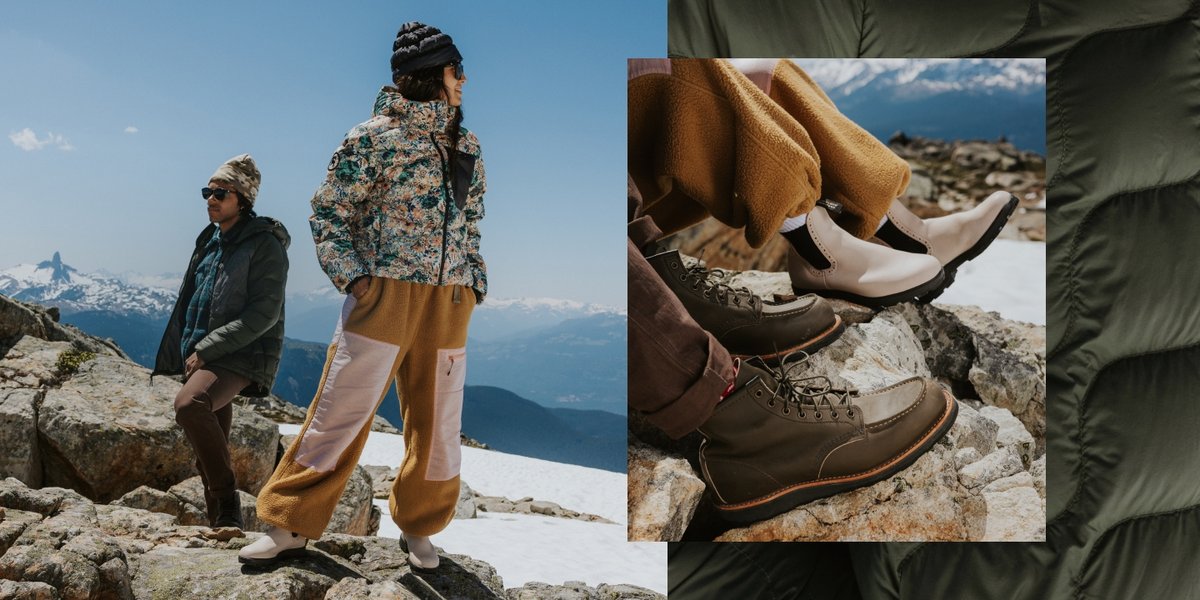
(396, 227)
(225, 335)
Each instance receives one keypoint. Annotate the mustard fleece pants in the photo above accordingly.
(417, 335)
(751, 144)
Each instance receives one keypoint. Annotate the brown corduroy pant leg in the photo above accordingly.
(399, 330)
(750, 149)
(677, 371)
(204, 409)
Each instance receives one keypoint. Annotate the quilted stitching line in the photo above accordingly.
(1083, 446)
(1111, 531)
(1029, 18)
(1068, 55)
(749, 559)
(1076, 235)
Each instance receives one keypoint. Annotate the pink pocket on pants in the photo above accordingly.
(445, 453)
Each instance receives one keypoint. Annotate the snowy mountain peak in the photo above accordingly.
(554, 305)
(55, 283)
(58, 271)
(911, 78)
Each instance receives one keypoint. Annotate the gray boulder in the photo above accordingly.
(19, 455)
(663, 494)
(108, 429)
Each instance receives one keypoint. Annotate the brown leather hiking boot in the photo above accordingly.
(779, 441)
(744, 323)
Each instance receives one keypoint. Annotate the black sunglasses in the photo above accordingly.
(218, 192)
(458, 69)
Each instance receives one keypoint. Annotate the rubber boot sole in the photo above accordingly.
(803, 493)
(989, 236)
(823, 339)
(289, 553)
(913, 294)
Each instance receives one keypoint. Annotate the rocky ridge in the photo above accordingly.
(947, 177)
(985, 481)
(101, 498)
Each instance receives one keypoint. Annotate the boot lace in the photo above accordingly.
(714, 287)
(815, 392)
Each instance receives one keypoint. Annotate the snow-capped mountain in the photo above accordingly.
(55, 283)
(912, 79)
(499, 318)
(312, 314)
(564, 309)
(959, 99)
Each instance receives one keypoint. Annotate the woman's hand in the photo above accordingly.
(193, 364)
(359, 287)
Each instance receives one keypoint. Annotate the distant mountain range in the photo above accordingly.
(54, 283)
(564, 361)
(312, 315)
(943, 98)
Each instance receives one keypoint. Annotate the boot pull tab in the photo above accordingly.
(456, 295)
(833, 206)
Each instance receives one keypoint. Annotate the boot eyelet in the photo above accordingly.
(674, 265)
(801, 414)
(683, 277)
(835, 415)
(850, 414)
(818, 415)
(758, 394)
(786, 411)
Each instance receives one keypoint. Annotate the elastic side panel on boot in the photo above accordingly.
(445, 452)
(899, 240)
(359, 373)
(802, 240)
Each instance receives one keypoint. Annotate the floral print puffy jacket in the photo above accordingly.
(385, 208)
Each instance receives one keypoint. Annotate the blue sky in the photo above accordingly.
(114, 115)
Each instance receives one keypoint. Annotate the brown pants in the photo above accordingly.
(677, 371)
(408, 332)
(750, 148)
(203, 408)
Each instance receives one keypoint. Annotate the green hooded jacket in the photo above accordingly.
(245, 326)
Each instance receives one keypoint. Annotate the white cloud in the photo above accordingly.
(131, 129)
(28, 141)
(25, 140)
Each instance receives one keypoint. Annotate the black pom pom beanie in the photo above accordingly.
(418, 46)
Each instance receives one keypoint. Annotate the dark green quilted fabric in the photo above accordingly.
(1123, 268)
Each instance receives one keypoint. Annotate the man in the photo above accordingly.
(225, 335)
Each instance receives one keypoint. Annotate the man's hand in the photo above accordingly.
(359, 287)
(193, 364)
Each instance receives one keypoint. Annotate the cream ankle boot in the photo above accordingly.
(828, 261)
(421, 553)
(952, 239)
(275, 544)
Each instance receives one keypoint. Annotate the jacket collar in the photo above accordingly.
(435, 115)
(244, 229)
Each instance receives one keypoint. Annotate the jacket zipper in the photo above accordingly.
(445, 208)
